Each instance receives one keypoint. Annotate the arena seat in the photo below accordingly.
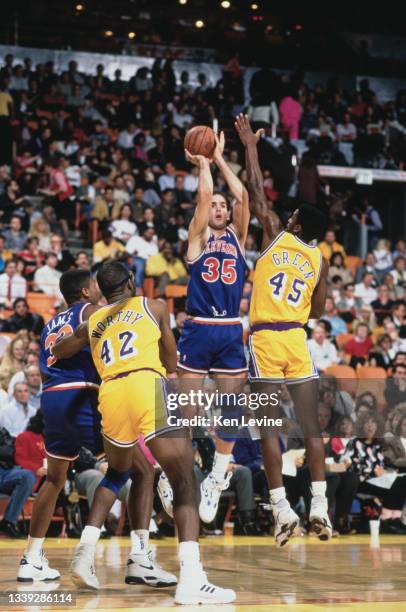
(176, 291)
(149, 287)
(369, 372)
(353, 262)
(373, 380)
(172, 292)
(346, 377)
(42, 304)
(342, 339)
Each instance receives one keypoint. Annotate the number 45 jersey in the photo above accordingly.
(286, 275)
(79, 370)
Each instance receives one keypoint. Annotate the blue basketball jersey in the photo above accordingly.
(79, 368)
(217, 278)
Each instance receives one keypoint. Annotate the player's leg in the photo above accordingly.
(188, 382)
(175, 454)
(267, 372)
(141, 565)
(286, 520)
(120, 461)
(304, 396)
(231, 385)
(34, 565)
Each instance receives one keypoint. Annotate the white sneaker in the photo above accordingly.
(210, 491)
(143, 569)
(319, 519)
(195, 589)
(286, 521)
(36, 569)
(165, 494)
(82, 570)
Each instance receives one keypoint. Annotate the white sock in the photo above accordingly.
(319, 488)
(276, 495)
(139, 541)
(220, 465)
(90, 535)
(189, 555)
(34, 547)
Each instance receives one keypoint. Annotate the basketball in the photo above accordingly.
(200, 140)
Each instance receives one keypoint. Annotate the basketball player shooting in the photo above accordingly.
(290, 286)
(212, 339)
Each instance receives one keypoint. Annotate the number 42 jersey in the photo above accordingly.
(79, 370)
(286, 275)
(124, 337)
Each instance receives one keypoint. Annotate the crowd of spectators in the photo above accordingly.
(93, 169)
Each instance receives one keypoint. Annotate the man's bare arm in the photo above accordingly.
(320, 293)
(199, 225)
(258, 203)
(241, 213)
(167, 343)
(70, 345)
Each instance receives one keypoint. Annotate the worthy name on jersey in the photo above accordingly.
(121, 316)
(221, 246)
(63, 319)
(283, 258)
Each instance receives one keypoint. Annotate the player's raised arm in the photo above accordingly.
(167, 343)
(320, 293)
(241, 212)
(199, 225)
(258, 203)
(70, 345)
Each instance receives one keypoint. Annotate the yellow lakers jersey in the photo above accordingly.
(286, 275)
(124, 337)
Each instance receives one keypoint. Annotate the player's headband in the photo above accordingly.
(121, 283)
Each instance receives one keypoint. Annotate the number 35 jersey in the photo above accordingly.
(79, 370)
(217, 278)
(124, 337)
(286, 275)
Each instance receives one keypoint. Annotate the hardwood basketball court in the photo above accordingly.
(347, 573)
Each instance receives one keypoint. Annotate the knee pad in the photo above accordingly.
(114, 480)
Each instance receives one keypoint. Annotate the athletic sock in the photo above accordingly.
(189, 557)
(220, 465)
(139, 541)
(90, 535)
(276, 495)
(34, 547)
(319, 488)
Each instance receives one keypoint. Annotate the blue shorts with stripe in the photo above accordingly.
(71, 420)
(212, 346)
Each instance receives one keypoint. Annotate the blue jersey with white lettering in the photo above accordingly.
(78, 369)
(217, 278)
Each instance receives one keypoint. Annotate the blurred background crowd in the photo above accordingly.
(93, 168)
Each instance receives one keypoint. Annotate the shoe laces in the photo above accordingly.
(215, 484)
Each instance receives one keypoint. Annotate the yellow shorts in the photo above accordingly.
(131, 405)
(280, 356)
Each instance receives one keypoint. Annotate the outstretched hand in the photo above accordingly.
(244, 130)
(197, 160)
(220, 142)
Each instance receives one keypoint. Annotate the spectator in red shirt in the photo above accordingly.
(32, 257)
(30, 449)
(359, 346)
(61, 190)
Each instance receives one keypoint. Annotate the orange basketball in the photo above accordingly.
(200, 140)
